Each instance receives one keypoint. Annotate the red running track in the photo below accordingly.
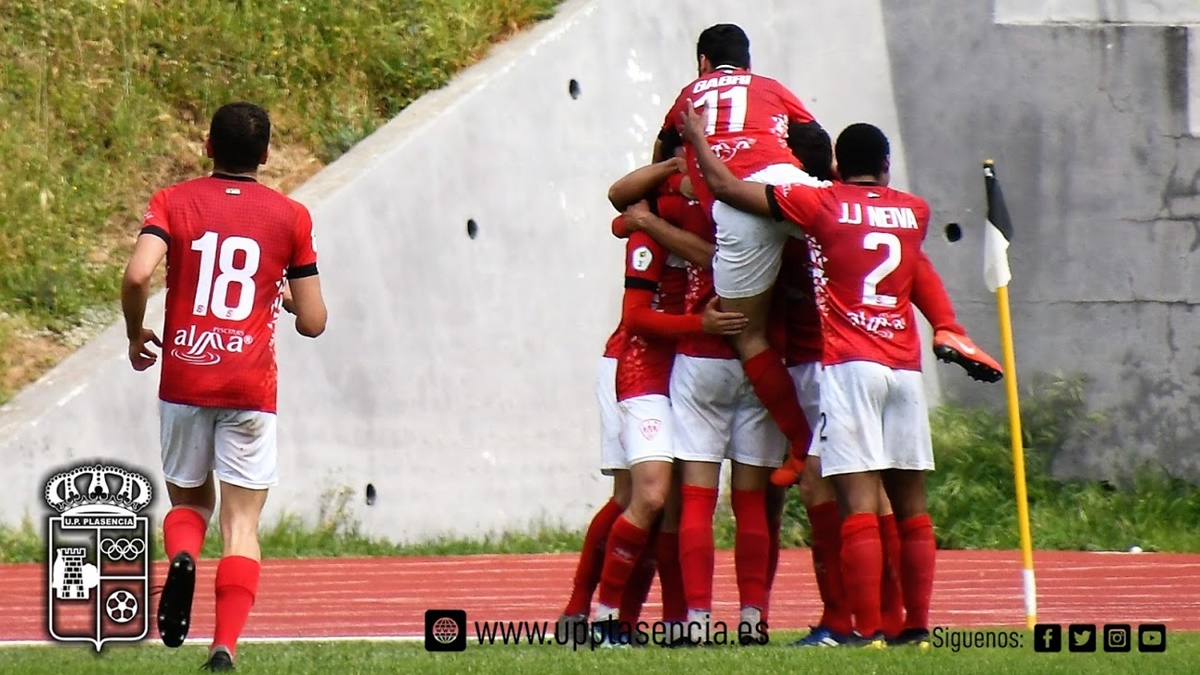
(387, 597)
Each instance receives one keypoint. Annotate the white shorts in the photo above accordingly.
(612, 453)
(718, 416)
(807, 378)
(876, 419)
(750, 248)
(240, 445)
(647, 429)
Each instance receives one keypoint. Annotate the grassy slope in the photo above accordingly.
(1182, 656)
(103, 101)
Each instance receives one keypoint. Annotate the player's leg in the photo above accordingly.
(670, 571)
(647, 431)
(702, 395)
(186, 437)
(756, 448)
(825, 520)
(891, 597)
(613, 462)
(853, 397)
(747, 262)
(776, 503)
(910, 450)
(247, 467)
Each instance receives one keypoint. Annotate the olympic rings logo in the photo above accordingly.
(122, 549)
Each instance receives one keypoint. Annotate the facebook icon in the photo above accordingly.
(1047, 637)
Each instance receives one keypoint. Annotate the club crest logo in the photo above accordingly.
(650, 429)
(98, 555)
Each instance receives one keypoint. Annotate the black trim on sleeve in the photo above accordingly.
(670, 134)
(302, 271)
(158, 232)
(640, 284)
(776, 212)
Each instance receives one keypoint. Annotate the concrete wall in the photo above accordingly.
(1089, 126)
(456, 376)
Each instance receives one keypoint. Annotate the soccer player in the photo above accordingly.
(237, 252)
(747, 119)
(869, 235)
(653, 320)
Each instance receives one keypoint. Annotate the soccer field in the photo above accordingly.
(1182, 656)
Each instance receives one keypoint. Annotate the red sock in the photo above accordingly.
(752, 546)
(918, 554)
(929, 295)
(773, 527)
(237, 584)
(670, 577)
(891, 597)
(637, 589)
(591, 558)
(183, 530)
(777, 391)
(626, 543)
(826, 522)
(862, 569)
(696, 555)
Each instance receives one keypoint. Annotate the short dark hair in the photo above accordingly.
(862, 150)
(671, 141)
(810, 143)
(240, 133)
(725, 45)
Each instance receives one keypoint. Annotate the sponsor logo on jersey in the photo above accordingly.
(204, 348)
(882, 325)
(727, 150)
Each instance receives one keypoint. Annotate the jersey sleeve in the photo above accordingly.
(644, 262)
(672, 121)
(304, 247)
(155, 221)
(799, 204)
(796, 111)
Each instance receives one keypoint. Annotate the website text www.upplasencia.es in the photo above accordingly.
(583, 634)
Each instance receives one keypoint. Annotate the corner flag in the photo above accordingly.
(997, 235)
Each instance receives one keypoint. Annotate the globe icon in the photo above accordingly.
(121, 606)
(445, 630)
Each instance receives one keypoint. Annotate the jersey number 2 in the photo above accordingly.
(224, 257)
(873, 242)
(737, 109)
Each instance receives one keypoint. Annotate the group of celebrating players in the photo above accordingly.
(767, 319)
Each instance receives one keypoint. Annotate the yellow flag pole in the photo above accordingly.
(1018, 456)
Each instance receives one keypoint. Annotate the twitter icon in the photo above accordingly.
(1081, 637)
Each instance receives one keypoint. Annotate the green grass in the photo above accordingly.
(971, 498)
(1182, 656)
(103, 101)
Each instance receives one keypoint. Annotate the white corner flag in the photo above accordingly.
(997, 234)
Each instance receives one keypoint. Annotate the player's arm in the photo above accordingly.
(303, 282)
(796, 111)
(639, 183)
(644, 266)
(148, 252)
(741, 195)
(930, 297)
(642, 218)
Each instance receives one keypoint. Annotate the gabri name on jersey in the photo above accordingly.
(722, 81)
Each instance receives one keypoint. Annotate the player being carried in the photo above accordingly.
(237, 252)
(870, 236)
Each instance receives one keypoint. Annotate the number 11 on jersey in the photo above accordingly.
(737, 109)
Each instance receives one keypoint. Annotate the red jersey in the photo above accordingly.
(616, 342)
(748, 117)
(231, 241)
(797, 302)
(644, 365)
(869, 238)
(700, 291)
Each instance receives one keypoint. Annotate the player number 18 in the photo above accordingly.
(218, 290)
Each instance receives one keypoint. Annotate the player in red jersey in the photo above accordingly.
(653, 318)
(746, 125)
(869, 235)
(237, 252)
